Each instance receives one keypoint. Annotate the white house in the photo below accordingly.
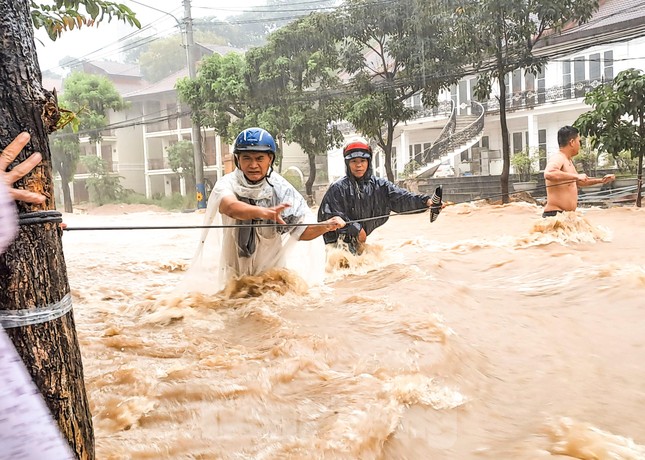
(468, 140)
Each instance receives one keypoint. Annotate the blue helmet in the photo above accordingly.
(254, 140)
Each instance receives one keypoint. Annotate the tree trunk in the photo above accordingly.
(67, 197)
(639, 173)
(388, 152)
(280, 154)
(639, 179)
(506, 150)
(32, 271)
(311, 179)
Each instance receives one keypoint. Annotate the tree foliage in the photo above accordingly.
(103, 186)
(391, 52)
(292, 77)
(251, 28)
(65, 155)
(162, 57)
(182, 161)
(617, 121)
(499, 36)
(219, 95)
(91, 97)
(87, 98)
(67, 15)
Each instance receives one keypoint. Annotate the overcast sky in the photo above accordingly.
(103, 42)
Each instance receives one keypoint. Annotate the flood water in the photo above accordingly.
(488, 334)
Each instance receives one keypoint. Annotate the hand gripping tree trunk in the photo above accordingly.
(32, 271)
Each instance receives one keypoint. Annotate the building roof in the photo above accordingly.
(116, 68)
(168, 84)
(221, 49)
(162, 86)
(614, 21)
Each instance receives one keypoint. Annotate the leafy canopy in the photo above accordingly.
(91, 96)
(66, 15)
(617, 121)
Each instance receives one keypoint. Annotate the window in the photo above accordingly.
(608, 65)
(414, 101)
(529, 82)
(516, 87)
(541, 87)
(484, 142)
(579, 65)
(566, 79)
(517, 142)
(419, 152)
(593, 67)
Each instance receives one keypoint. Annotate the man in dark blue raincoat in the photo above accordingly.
(361, 195)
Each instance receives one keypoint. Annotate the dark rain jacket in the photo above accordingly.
(370, 196)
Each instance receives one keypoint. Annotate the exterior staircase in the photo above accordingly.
(460, 133)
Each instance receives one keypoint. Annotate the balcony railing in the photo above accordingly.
(158, 163)
(110, 166)
(444, 109)
(532, 98)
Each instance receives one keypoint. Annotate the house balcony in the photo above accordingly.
(156, 164)
(535, 98)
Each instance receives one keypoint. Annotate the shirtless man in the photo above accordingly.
(562, 179)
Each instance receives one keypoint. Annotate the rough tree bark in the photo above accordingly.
(32, 271)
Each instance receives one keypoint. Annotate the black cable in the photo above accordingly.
(316, 224)
(40, 217)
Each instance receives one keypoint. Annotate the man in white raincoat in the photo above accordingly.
(253, 194)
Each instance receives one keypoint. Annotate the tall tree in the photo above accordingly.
(499, 36)
(89, 97)
(180, 158)
(617, 121)
(65, 154)
(293, 78)
(391, 51)
(219, 95)
(32, 271)
(161, 57)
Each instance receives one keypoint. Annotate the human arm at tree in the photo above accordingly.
(314, 231)
(6, 158)
(239, 210)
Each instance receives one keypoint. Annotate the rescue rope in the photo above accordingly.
(315, 224)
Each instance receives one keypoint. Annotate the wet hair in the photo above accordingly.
(566, 134)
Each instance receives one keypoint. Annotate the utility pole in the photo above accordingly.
(196, 130)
